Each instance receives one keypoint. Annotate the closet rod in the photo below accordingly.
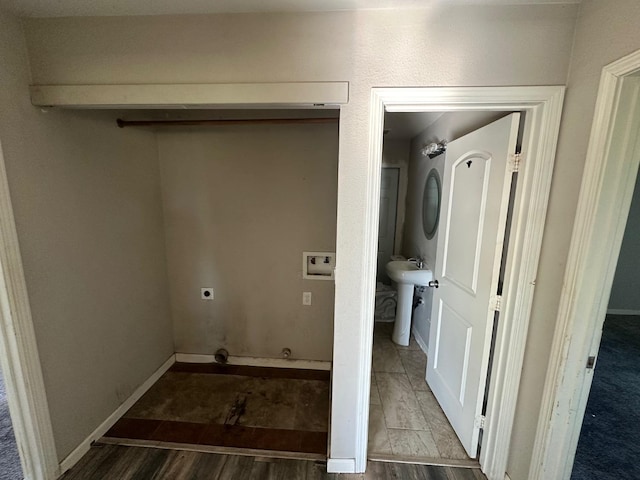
(258, 121)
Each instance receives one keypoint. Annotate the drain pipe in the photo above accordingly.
(221, 356)
(417, 297)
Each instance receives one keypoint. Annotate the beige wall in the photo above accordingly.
(241, 205)
(455, 45)
(86, 197)
(605, 31)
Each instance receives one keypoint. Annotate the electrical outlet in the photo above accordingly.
(206, 293)
(306, 298)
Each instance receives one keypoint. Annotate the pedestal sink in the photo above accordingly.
(407, 275)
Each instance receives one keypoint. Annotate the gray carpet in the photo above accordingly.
(609, 445)
(10, 468)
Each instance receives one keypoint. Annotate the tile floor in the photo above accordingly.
(233, 407)
(405, 420)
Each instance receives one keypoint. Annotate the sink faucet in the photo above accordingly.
(419, 261)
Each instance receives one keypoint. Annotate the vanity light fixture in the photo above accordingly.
(434, 149)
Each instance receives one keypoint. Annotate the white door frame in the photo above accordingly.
(19, 354)
(603, 206)
(542, 106)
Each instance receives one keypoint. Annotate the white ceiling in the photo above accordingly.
(78, 8)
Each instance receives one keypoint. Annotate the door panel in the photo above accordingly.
(475, 199)
(468, 199)
(451, 362)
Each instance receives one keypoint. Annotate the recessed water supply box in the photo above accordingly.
(318, 265)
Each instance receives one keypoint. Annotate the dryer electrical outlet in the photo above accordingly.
(206, 293)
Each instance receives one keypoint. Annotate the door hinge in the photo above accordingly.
(516, 159)
(495, 303)
(480, 421)
(591, 361)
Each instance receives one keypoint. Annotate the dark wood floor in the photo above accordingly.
(277, 409)
(116, 462)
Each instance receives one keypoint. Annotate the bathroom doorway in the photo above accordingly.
(407, 422)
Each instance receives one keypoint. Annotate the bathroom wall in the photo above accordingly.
(625, 292)
(443, 45)
(395, 153)
(87, 204)
(448, 127)
(241, 204)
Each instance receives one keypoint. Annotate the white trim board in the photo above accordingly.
(19, 358)
(292, 94)
(99, 432)
(341, 465)
(256, 361)
(603, 205)
(543, 110)
(420, 341)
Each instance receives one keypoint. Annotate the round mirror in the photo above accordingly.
(431, 204)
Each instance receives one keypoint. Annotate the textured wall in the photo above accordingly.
(241, 205)
(605, 31)
(86, 197)
(449, 46)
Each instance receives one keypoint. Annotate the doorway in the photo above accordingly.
(607, 448)
(607, 189)
(542, 107)
(407, 418)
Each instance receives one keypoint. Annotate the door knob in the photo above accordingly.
(434, 284)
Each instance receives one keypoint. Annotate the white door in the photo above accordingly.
(475, 198)
(388, 209)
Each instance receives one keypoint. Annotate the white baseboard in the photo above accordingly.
(341, 465)
(420, 341)
(619, 311)
(256, 361)
(99, 432)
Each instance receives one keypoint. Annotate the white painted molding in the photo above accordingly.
(257, 361)
(99, 432)
(19, 356)
(543, 107)
(420, 341)
(341, 465)
(619, 311)
(603, 205)
(190, 95)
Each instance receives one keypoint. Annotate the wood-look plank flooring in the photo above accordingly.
(231, 406)
(116, 462)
